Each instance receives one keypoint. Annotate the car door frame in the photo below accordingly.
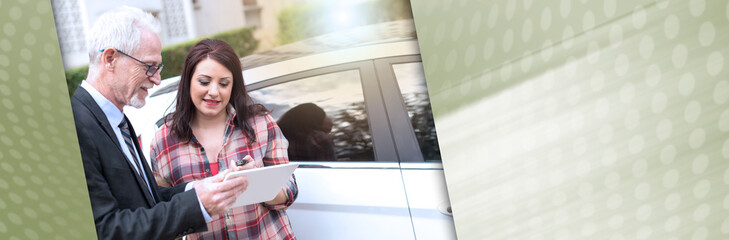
(384, 147)
(402, 129)
(429, 204)
(382, 140)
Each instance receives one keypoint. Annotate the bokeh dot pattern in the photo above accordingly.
(36, 126)
(615, 114)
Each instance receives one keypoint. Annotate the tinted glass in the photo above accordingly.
(411, 80)
(340, 95)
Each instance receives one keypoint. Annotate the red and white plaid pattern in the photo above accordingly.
(175, 162)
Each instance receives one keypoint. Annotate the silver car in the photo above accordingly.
(386, 180)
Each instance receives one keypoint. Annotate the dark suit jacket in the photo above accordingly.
(122, 207)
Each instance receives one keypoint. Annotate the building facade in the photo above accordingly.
(181, 20)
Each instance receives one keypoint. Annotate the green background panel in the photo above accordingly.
(42, 182)
(575, 119)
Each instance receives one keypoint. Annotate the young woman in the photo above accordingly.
(215, 122)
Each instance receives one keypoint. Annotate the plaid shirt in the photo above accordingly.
(175, 162)
(318, 146)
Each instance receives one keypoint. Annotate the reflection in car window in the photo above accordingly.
(411, 80)
(340, 95)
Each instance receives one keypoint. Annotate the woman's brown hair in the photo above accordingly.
(244, 106)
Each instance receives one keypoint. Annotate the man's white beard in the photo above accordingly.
(135, 102)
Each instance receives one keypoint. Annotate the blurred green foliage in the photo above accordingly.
(312, 19)
(174, 56)
(74, 77)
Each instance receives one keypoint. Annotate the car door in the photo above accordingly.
(408, 108)
(362, 194)
(388, 182)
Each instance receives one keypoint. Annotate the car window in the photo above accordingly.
(411, 81)
(347, 136)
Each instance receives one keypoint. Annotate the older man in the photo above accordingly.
(125, 60)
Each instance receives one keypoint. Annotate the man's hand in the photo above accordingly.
(217, 196)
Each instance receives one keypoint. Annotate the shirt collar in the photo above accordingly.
(110, 110)
(231, 115)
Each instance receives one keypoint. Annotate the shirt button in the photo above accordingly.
(207, 170)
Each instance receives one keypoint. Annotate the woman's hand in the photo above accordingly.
(279, 199)
(249, 163)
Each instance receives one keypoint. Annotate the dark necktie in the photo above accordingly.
(126, 134)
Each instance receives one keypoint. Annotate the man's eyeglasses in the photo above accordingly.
(151, 69)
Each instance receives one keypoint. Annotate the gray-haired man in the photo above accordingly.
(125, 60)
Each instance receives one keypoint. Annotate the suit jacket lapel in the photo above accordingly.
(84, 97)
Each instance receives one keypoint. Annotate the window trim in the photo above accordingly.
(402, 130)
(382, 140)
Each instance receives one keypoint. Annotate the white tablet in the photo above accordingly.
(263, 183)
